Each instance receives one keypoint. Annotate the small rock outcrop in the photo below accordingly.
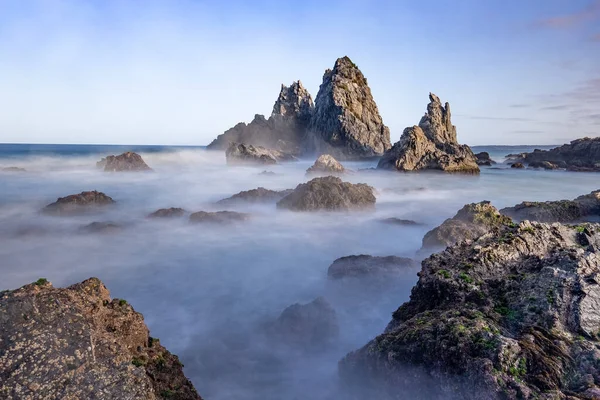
(128, 161)
(218, 217)
(258, 195)
(432, 145)
(329, 193)
(309, 326)
(471, 221)
(512, 315)
(582, 208)
(517, 165)
(367, 266)
(346, 121)
(283, 131)
(78, 203)
(173, 212)
(101, 227)
(579, 155)
(326, 164)
(484, 159)
(78, 343)
(242, 154)
(400, 221)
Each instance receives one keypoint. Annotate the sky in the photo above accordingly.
(180, 72)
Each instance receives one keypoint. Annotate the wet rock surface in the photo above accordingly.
(173, 212)
(432, 145)
(258, 195)
(346, 121)
(517, 165)
(218, 217)
(484, 159)
(78, 343)
(242, 154)
(78, 203)
(326, 164)
(579, 155)
(472, 221)
(367, 266)
(512, 314)
(329, 193)
(580, 209)
(128, 161)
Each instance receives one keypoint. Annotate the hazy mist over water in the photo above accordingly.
(207, 291)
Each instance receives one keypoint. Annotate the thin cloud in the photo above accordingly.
(556, 108)
(496, 118)
(519, 106)
(527, 132)
(588, 14)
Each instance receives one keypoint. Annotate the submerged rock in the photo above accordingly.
(579, 155)
(471, 221)
(78, 203)
(346, 122)
(128, 161)
(326, 164)
(283, 131)
(13, 169)
(173, 212)
(400, 221)
(511, 315)
(242, 154)
(483, 158)
(431, 145)
(329, 193)
(102, 227)
(78, 343)
(309, 326)
(367, 266)
(258, 195)
(583, 207)
(218, 217)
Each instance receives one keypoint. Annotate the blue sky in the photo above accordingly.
(183, 71)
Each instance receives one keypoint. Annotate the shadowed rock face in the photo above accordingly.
(510, 315)
(172, 212)
(283, 131)
(128, 161)
(517, 165)
(431, 145)
(77, 343)
(579, 155)
(346, 122)
(483, 158)
(219, 217)
(326, 164)
(258, 195)
(78, 203)
(367, 266)
(582, 208)
(242, 154)
(472, 221)
(329, 193)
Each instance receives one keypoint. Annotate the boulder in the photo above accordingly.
(363, 266)
(173, 212)
(511, 315)
(242, 154)
(326, 164)
(311, 326)
(579, 155)
(431, 146)
(218, 217)
(128, 161)
(78, 203)
(284, 130)
(101, 227)
(517, 165)
(258, 195)
(329, 193)
(78, 343)
(483, 158)
(582, 208)
(471, 222)
(346, 121)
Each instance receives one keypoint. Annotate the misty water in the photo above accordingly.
(208, 291)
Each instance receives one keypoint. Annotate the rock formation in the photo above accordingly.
(258, 195)
(173, 212)
(346, 122)
(283, 131)
(310, 326)
(218, 217)
(512, 315)
(579, 155)
(326, 164)
(78, 203)
(431, 145)
(329, 193)
(471, 221)
(517, 165)
(580, 209)
(483, 158)
(367, 266)
(101, 227)
(128, 161)
(242, 154)
(78, 343)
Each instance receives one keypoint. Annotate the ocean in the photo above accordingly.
(208, 291)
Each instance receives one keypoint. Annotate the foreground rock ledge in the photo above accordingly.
(78, 343)
(511, 315)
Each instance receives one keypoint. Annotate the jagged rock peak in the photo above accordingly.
(436, 123)
(294, 101)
